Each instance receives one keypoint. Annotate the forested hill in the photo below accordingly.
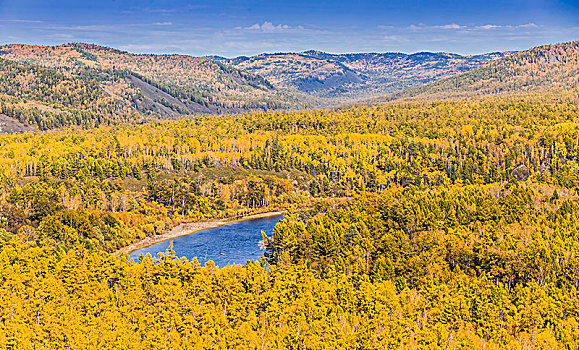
(540, 69)
(37, 97)
(83, 84)
(159, 85)
(356, 75)
(447, 225)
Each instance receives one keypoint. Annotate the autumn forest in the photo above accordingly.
(441, 217)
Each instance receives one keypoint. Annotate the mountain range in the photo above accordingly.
(83, 84)
(356, 75)
(540, 69)
(159, 84)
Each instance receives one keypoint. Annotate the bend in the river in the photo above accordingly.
(234, 243)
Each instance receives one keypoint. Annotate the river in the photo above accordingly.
(234, 243)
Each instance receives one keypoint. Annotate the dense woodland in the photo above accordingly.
(158, 86)
(46, 99)
(422, 224)
(88, 85)
(541, 68)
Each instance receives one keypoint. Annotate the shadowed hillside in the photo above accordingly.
(160, 84)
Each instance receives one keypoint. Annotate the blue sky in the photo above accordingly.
(231, 28)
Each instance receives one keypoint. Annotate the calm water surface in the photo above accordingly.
(234, 243)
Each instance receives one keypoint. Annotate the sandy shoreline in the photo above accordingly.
(189, 228)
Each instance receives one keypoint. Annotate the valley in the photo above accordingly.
(130, 87)
(357, 75)
(430, 200)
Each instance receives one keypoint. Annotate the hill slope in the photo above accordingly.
(159, 84)
(543, 68)
(357, 75)
(44, 98)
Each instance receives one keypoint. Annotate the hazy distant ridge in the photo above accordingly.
(356, 75)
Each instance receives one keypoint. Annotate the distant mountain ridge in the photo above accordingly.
(543, 68)
(83, 84)
(355, 75)
(87, 84)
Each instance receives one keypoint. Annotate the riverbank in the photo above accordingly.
(189, 228)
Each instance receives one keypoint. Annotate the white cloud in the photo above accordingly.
(163, 24)
(508, 26)
(268, 27)
(528, 25)
(395, 38)
(146, 48)
(61, 36)
(455, 26)
(21, 21)
(89, 28)
(488, 26)
(450, 26)
(421, 26)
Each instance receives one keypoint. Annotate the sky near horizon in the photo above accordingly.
(232, 28)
